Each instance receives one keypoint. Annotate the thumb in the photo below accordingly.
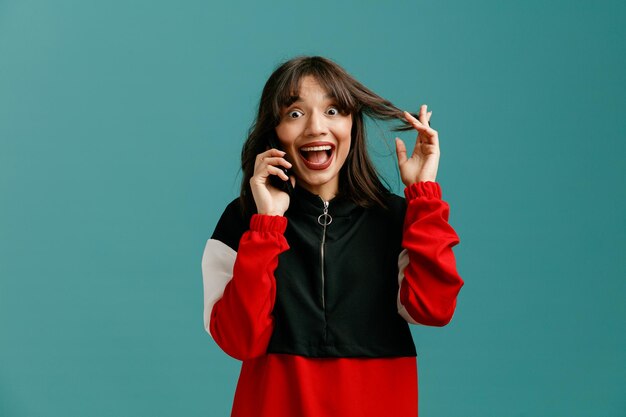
(401, 151)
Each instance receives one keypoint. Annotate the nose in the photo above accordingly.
(316, 125)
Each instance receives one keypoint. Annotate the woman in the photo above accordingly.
(313, 286)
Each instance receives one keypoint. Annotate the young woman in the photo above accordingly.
(314, 287)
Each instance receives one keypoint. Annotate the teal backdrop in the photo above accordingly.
(121, 124)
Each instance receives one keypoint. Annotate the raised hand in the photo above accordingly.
(423, 163)
(268, 199)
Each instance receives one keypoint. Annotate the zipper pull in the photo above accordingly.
(325, 219)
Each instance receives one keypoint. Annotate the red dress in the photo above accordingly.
(238, 315)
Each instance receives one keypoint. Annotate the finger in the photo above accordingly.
(419, 126)
(428, 140)
(265, 171)
(277, 160)
(412, 120)
(269, 153)
(265, 158)
(422, 114)
(401, 151)
(272, 170)
(427, 118)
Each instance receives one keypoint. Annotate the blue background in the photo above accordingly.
(121, 124)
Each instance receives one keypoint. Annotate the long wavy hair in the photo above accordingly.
(358, 179)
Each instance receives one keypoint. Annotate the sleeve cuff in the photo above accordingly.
(428, 189)
(267, 223)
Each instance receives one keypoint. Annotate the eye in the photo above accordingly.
(293, 114)
(333, 111)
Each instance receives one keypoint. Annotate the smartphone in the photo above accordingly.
(275, 180)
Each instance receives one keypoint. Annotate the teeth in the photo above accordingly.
(316, 148)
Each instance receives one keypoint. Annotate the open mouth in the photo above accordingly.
(317, 155)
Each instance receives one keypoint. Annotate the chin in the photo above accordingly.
(315, 182)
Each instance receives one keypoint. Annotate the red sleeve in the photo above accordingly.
(241, 321)
(430, 285)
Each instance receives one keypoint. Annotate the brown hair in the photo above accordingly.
(359, 180)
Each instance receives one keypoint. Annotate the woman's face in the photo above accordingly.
(316, 138)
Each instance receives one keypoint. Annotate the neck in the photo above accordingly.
(326, 191)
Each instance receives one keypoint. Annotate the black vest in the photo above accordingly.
(337, 286)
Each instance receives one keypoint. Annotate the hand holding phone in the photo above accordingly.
(275, 180)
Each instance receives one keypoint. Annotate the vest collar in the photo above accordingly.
(307, 202)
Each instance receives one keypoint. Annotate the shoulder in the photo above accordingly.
(396, 206)
(231, 225)
(393, 213)
(396, 203)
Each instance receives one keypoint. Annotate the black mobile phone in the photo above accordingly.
(275, 180)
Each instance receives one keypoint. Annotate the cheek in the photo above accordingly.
(344, 149)
(280, 132)
(346, 130)
(285, 135)
(344, 134)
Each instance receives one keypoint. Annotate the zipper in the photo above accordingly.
(324, 220)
